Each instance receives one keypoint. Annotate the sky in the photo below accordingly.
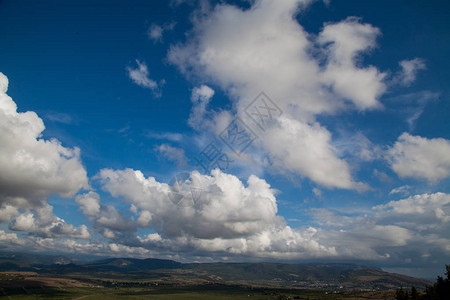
(294, 131)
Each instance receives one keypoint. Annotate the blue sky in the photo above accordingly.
(354, 164)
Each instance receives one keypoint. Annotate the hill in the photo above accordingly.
(26, 261)
(321, 276)
(346, 276)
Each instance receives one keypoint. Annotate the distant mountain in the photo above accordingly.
(347, 276)
(132, 264)
(62, 264)
(26, 261)
(267, 271)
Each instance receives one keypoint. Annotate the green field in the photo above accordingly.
(184, 292)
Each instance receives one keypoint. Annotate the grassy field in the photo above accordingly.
(183, 293)
(29, 285)
(186, 292)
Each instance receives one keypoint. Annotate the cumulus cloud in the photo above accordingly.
(106, 218)
(418, 225)
(428, 208)
(344, 42)
(307, 149)
(10, 241)
(231, 218)
(7, 212)
(33, 169)
(226, 207)
(89, 203)
(264, 48)
(10, 238)
(140, 76)
(420, 158)
(43, 222)
(228, 217)
(4, 82)
(248, 51)
(109, 217)
(365, 240)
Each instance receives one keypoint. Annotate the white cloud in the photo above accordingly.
(89, 203)
(10, 238)
(33, 168)
(226, 207)
(227, 217)
(431, 205)
(241, 220)
(345, 41)
(43, 222)
(144, 219)
(109, 217)
(365, 240)
(403, 190)
(106, 218)
(155, 32)
(246, 52)
(420, 158)
(152, 237)
(7, 212)
(200, 98)
(265, 49)
(417, 225)
(172, 154)
(140, 76)
(4, 82)
(409, 70)
(109, 234)
(307, 149)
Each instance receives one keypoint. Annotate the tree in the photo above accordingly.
(401, 294)
(414, 294)
(440, 290)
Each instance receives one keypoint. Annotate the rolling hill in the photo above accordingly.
(344, 276)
